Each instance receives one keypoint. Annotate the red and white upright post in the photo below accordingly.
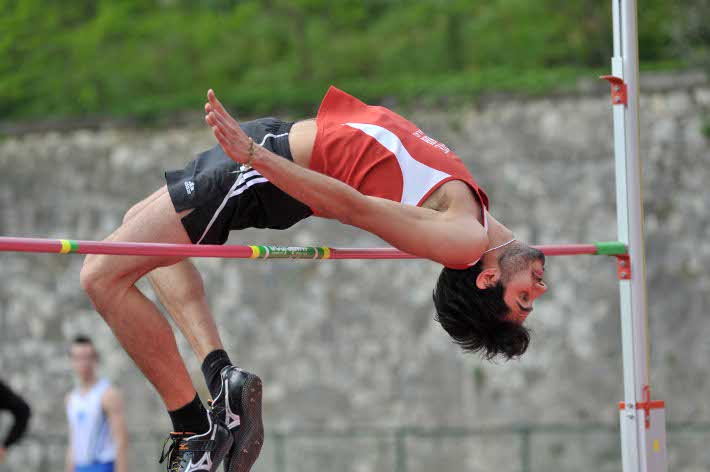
(643, 430)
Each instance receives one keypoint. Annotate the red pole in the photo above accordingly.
(63, 246)
(567, 249)
(121, 248)
(369, 253)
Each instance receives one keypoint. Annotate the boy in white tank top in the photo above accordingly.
(97, 432)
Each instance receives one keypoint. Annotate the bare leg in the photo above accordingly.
(137, 323)
(138, 207)
(182, 293)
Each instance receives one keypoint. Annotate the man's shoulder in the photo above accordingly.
(111, 393)
(461, 199)
(457, 188)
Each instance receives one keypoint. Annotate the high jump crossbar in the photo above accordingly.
(68, 246)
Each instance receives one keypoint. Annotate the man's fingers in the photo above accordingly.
(213, 105)
(227, 129)
(214, 101)
(224, 127)
(230, 127)
(221, 138)
(211, 120)
(224, 142)
(220, 112)
(209, 108)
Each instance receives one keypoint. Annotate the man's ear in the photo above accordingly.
(487, 278)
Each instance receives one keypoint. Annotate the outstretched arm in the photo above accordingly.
(442, 237)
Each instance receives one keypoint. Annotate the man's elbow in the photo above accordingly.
(354, 210)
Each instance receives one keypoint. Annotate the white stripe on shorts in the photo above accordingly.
(234, 191)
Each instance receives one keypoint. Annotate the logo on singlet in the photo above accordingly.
(189, 186)
(420, 134)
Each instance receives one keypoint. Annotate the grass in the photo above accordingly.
(302, 99)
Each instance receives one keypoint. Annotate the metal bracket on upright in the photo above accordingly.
(619, 92)
(647, 405)
(620, 251)
(623, 267)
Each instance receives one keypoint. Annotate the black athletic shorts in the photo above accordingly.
(224, 199)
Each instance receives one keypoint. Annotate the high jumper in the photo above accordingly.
(362, 165)
(367, 167)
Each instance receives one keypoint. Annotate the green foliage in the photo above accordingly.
(150, 57)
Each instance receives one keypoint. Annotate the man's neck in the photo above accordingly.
(497, 236)
(88, 384)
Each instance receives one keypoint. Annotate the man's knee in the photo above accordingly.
(103, 284)
(98, 279)
(91, 276)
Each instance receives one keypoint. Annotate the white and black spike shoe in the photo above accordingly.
(190, 452)
(238, 406)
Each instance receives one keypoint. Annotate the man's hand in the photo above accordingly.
(234, 141)
(3, 454)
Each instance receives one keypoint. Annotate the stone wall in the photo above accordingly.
(353, 344)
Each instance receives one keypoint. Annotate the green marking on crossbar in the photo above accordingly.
(611, 248)
(68, 245)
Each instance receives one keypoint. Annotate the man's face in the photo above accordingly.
(522, 269)
(83, 360)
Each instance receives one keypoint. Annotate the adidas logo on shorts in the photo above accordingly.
(190, 187)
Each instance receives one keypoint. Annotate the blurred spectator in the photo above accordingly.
(97, 430)
(11, 402)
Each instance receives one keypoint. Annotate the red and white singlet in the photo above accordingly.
(381, 154)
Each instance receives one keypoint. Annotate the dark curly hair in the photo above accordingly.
(475, 318)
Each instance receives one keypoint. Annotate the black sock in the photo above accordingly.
(191, 418)
(211, 367)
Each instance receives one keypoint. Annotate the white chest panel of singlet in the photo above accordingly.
(91, 434)
(417, 178)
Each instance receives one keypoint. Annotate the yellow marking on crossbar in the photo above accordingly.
(656, 445)
(326, 253)
(66, 246)
(255, 253)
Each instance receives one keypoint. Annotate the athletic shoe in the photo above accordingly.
(238, 406)
(192, 452)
